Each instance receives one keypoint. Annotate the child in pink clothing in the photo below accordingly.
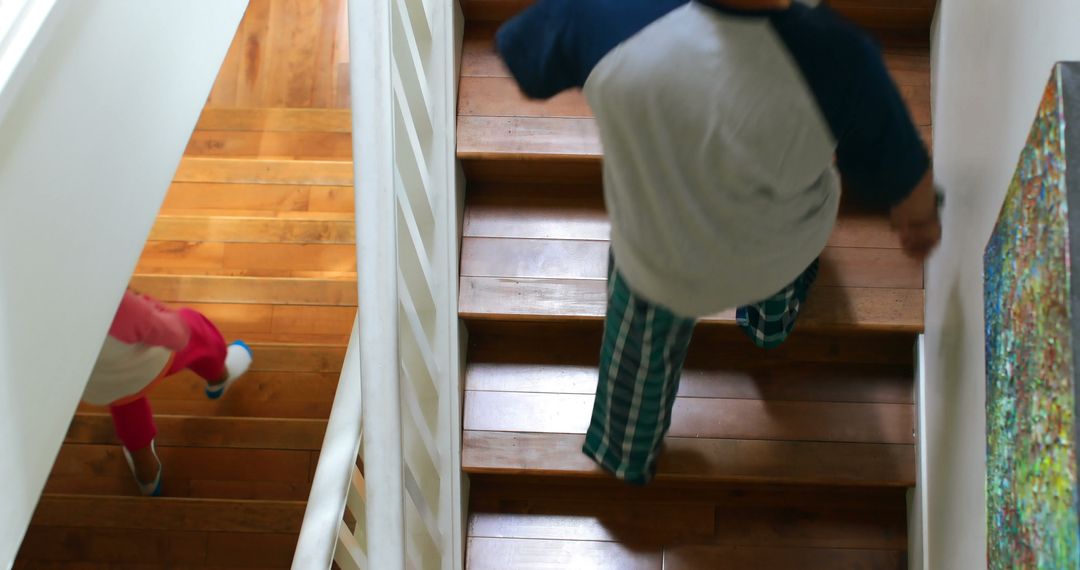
(146, 343)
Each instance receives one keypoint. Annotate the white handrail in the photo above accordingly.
(330, 487)
(376, 249)
(404, 57)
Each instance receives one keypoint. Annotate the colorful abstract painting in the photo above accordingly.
(1032, 336)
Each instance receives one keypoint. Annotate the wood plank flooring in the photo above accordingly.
(796, 457)
(256, 231)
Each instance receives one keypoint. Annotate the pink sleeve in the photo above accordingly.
(141, 319)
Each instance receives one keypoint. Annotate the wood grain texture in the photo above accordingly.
(279, 145)
(538, 211)
(772, 558)
(164, 513)
(716, 418)
(230, 229)
(695, 459)
(254, 290)
(827, 308)
(195, 431)
(771, 379)
(267, 120)
(580, 259)
(264, 199)
(265, 171)
(287, 53)
(503, 553)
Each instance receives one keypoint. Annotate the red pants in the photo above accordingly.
(204, 355)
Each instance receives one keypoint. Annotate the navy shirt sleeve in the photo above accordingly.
(879, 151)
(554, 44)
(881, 155)
(535, 45)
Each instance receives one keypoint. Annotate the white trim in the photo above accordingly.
(331, 487)
(918, 558)
(25, 26)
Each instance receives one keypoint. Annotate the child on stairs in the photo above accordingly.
(723, 124)
(148, 342)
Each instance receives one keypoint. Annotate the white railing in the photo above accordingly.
(404, 57)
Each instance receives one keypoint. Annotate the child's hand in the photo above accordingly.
(916, 220)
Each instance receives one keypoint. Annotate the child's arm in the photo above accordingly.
(141, 319)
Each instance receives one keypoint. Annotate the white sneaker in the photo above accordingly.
(153, 488)
(237, 361)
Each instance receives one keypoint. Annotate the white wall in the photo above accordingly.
(88, 147)
(992, 61)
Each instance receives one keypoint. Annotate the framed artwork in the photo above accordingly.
(1032, 304)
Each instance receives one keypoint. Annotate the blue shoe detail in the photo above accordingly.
(216, 393)
(243, 345)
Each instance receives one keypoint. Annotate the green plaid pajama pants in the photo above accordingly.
(641, 360)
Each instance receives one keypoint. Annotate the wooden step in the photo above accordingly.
(504, 136)
(255, 290)
(539, 525)
(71, 531)
(249, 229)
(897, 22)
(270, 258)
(258, 199)
(822, 409)
(206, 457)
(280, 145)
(275, 120)
(535, 253)
(265, 171)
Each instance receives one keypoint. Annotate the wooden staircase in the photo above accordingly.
(257, 233)
(798, 457)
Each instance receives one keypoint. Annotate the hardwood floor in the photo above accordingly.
(796, 457)
(257, 233)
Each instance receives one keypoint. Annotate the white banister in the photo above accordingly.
(331, 489)
(404, 57)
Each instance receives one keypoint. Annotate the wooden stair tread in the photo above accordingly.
(533, 525)
(700, 459)
(258, 199)
(710, 418)
(265, 171)
(200, 431)
(252, 229)
(545, 211)
(542, 258)
(827, 308)
(502, 135)
(166, 513)
(733, 379)
(65, 548)
(253, 290)
(188, 472)
(897, 22)
(280, 145)
(284, 258)
(275, 120)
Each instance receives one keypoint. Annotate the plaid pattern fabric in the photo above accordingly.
(641, 360)
(769, 322)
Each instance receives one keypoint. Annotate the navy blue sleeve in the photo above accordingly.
(879, 151)
(881, 155)
(535, 45)
(554, 45)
